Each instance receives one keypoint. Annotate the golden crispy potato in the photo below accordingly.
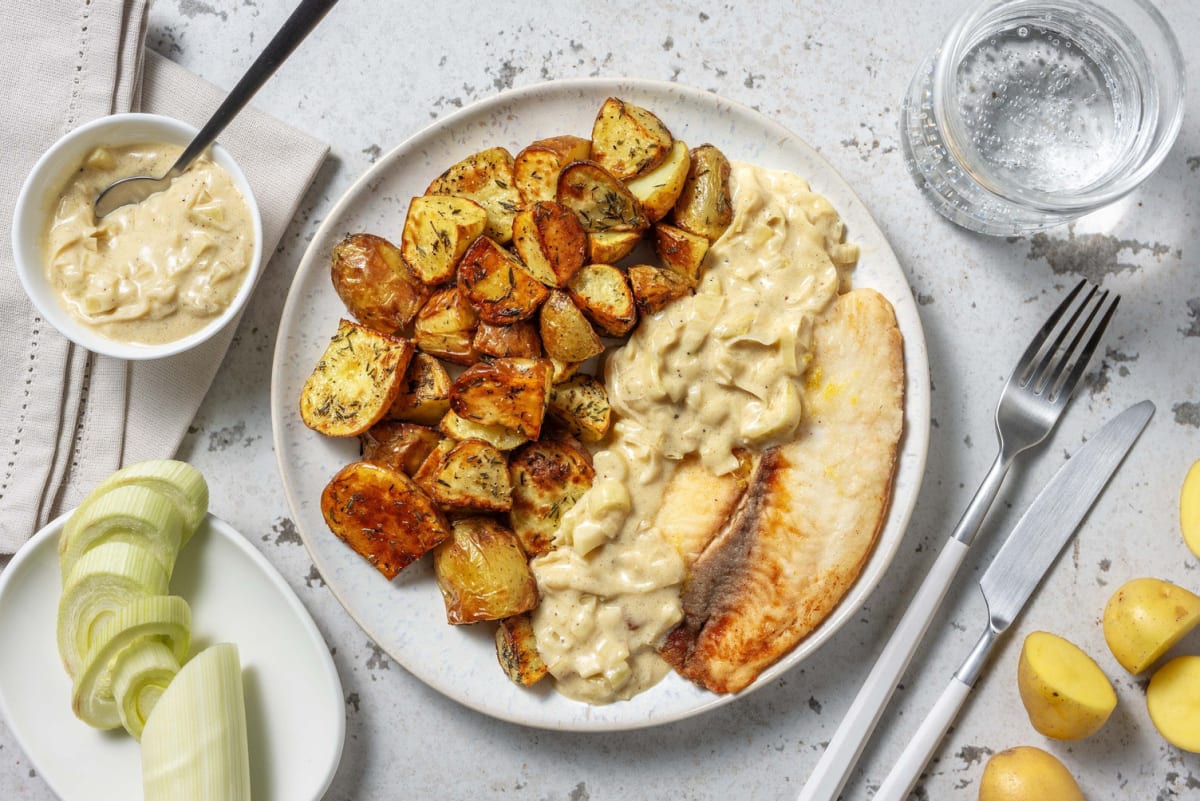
(516, 650)
(460, 428)
(383, 515)
(602, 202)
(602, 292)
(547, 478)
(628, 140)
(498, 285)
(536, 168)
(426, 475)
(485, 177)
(511, 393)
(519, 339)
(482, 572)
(550, 241)
(655, 287)
(424, 392)
(355, 382)
(680, 251)
(472, 475)
(660, 188)
(705, 206)
(398, 444)
(581, 405)
(561, 370)
(609, 247)
(566, 333)
(445, 327)
(437, 232)
(371, 278)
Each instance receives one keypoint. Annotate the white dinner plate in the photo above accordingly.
(405, 617)
(295, 714)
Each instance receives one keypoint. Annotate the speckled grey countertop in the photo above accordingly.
(377, 72)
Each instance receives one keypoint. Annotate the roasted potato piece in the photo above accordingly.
(482, 572)
(397, 444)
(547, 478)
(566, 333)
(609, 247)
(602, 202)
(705, 206)
(498, 285)
(680, 251)
(426, 474)
(655, 287)
(660, 188)
(511, 393)
(519, 339)
(602, 293)
(581, 405)
(550, 241)
(424, 392)
(371, 278)
(563, 370)
(459, 428)
(485, 177)
(628, 140)
(437, 232)
(472, 475)
(536, 168)
(355, 382)
(516, 650)
(445, 327)
(383, 515)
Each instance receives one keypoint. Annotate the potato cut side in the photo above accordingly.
(460, 428)
(383, 515)
(602, 292)
(424, 392)
(1173, 701)
(437, 232)
(427, 473)
(516, 650)
(371, 278)
(609, 247)
(485, 177)
(472, 475)
(705, 206)
(1065, 693)
(400, 445)
(581, 404)
(536, 168)
(547, 478)
(550, 241)
(483, 573)
(628, 140)
(1189, 509)
(445, 327)
(355, 382)
(655, 287)
(517, 339)
(659, 188)
(511, 393)
(497, 284)
(1145, 617)
(566, 333)
(680, 251)
(602, 202)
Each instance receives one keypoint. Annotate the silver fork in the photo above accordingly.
(1030, 406)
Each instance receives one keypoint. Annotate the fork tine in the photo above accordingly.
(1063, 390)
(1063, 358)
(1028, 360)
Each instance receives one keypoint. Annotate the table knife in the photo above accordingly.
(1015, 573)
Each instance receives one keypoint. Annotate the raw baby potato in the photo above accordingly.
(1065, 693)
(1026, 773)
(1189, 509)
(1145, 617)
(1173, 701)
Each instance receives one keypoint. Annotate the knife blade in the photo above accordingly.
(1016, 571)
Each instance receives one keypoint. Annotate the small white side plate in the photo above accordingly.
(295, 713)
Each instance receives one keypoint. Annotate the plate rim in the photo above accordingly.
(915, 353)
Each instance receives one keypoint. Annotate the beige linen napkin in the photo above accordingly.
(68, 417)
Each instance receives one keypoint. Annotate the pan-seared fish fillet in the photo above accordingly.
(809, 518)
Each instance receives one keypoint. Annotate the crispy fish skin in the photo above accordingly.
(812, 512)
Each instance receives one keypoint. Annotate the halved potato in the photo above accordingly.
(371, 278)
(355, 382)
(550, 241)
(445, 327)
(472, 475)
(609, 247)
(1145, 617)
(1065, 693)
(659, 188)
(516, 650)
(602, 292)
(680, 251)
(498, 285)
(485, 177)
(424, 392)
(655, 287)
(1173, 701)
(628, 140)
(437, 232)
(536, 168)
(519, 339)
(547, 478)
(460, 428)
(511, 393)
(602, 202)
(705, 206)
(383, 515)
(581, 404)
(398, 444)
(1189, 508)
(482, 572)
(566, 333)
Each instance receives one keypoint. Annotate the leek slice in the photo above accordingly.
(140, 675)
(130, 514)
(179, 481)
(194, 745)
(108, 577)
(166, 616)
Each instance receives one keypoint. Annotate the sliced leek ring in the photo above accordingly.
(130, 514)
(166, 616)
(105, 579)
(140, 675)
(179, 481)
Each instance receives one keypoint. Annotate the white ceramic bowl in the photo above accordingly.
(36, 203)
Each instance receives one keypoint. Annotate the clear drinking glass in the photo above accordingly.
(1035, 112)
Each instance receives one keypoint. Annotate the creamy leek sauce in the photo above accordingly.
(710, 374)
(154, 271)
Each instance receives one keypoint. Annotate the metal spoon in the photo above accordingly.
(139, 187)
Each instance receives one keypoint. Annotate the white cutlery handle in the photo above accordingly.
(842, 753)
(920, 748)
